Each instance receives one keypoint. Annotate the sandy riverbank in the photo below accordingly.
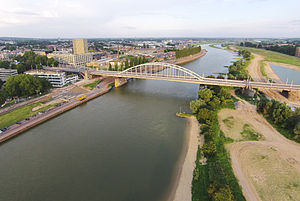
(182, 186)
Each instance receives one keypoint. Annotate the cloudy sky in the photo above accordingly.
(151, 18)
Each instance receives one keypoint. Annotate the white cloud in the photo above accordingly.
(117, 18)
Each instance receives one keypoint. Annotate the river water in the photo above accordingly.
(123, 146)
(287, 75)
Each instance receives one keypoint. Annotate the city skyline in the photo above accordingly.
(131, 18)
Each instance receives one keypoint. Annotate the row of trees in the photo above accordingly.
(130, 61)
(285, 49)
(238, 70)
(23, 85)
(29, 60)
(187, 52)
(282, 116)
(215, 180)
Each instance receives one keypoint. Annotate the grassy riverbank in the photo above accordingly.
(21, 114)
(214, 179)
(93, 84)
(273, 56)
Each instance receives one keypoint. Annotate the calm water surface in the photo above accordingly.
(286, 74)
(122, 146)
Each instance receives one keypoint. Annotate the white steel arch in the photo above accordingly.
(155, 68)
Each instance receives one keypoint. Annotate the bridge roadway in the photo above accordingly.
(206, 81)
(145, 71)
(172, 72)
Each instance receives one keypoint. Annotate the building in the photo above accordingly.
(56, 78)
(71, 59)
(6, 56)
(297, 52)
(80, 46)
(6, 73)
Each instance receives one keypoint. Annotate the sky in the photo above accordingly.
(152, 18)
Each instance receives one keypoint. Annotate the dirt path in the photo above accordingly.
(255, 73)
(254, 68)
(286, 151)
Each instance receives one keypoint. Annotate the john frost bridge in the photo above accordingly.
(172, 72)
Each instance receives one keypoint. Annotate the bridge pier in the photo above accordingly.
(87, 75)
(120, 82)
(291, 95)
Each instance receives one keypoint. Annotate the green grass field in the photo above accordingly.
(273, 56)
(21, 114)
(93, 85)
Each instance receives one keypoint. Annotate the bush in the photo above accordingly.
(209, 149)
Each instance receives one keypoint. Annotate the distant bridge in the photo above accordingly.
(172, 72)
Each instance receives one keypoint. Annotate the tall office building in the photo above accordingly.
(80, 46)
(297, 52)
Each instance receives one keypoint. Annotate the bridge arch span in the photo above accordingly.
(162, 69)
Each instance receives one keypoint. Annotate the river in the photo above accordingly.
(287, 75)
(123, 146)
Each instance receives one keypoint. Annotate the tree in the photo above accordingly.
(116, 66)
(223, 194)
(224, 94)
(26, 85)
(4, 64)
(203, 115)
(220, 76)
(121, 66)
(3, 96)
(297, 131)
(126, 64)
(209, 149)
(1, 83)
(215, 102)
(109, 67)
(205, 94)
(196, 104)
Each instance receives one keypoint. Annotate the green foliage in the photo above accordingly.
(281, 117)
(209, 149)
(273, 56)
(297, 131)
(215, 180)
(21, 114)
(250, 134)
(215, 102)
(284, 49)
(116, 66)
(196, 104)
(3, 96)
(187, 52)
(1, 83)
(4, 64)
(30, 60)
(205, 94)
(26, 85)
(203, 115)
(223, 194)
(93, 84)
